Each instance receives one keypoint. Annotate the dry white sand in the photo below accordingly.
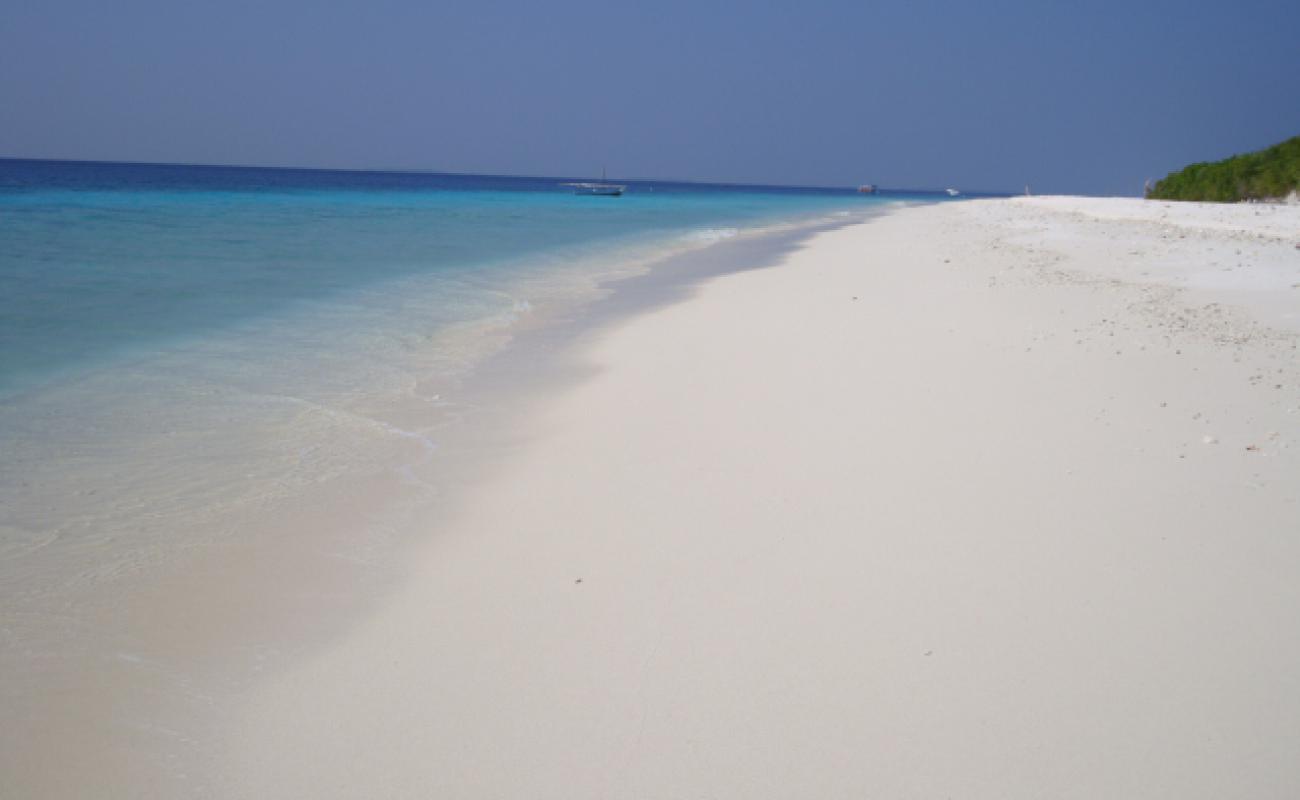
(985, 499)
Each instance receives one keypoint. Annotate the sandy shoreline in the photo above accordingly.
(974, 500)
(134, 675)
(980, 499)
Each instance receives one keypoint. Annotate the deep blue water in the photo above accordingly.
(96, 258)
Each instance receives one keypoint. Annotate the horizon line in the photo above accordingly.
(431, 171)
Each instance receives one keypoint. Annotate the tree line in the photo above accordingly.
(1264, 174)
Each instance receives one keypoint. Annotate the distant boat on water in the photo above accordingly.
(952, 192)
(601, 189)
(867, 188)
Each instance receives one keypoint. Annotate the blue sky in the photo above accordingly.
(1089, 97)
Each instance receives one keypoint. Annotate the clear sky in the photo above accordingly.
(1088, 97)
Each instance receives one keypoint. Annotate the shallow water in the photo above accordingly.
(181, 347)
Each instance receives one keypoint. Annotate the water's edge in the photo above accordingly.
(148, 671)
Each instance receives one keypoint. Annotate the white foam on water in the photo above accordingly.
(711, 234)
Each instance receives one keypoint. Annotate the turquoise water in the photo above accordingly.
(96, 263)
(186, 352)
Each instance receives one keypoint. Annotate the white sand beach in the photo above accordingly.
(981, 499)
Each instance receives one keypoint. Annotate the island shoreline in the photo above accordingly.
(936, 494)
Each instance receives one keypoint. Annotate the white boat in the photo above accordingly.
(867, 188)
(602, 189)
(952, 192)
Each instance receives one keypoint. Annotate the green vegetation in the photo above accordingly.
(1273, 172)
